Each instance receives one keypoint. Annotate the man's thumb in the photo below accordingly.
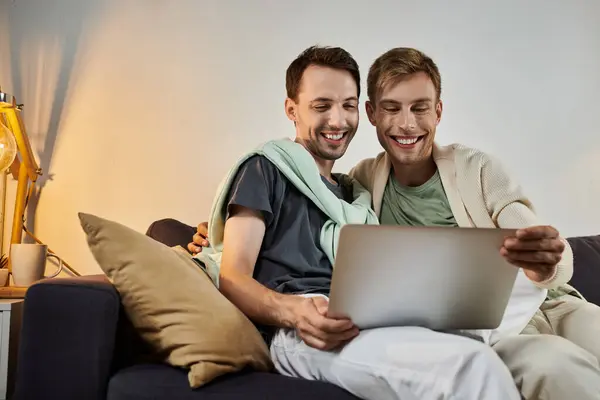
(321, 304)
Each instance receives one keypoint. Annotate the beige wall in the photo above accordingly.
(137, 108)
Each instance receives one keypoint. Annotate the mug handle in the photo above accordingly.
(60, 265)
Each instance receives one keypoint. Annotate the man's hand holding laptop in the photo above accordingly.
(319, 330)
(537, 249)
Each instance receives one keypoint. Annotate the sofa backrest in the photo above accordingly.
(586, 274)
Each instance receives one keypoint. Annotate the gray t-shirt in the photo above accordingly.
(291, 259)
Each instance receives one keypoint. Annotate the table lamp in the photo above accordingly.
(14, 143)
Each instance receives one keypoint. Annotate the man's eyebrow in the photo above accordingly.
(419, 100)
(327, 99)
(320, 99)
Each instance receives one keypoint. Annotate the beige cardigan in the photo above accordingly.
(480, 192)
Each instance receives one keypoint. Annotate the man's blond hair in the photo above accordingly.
(397, 64)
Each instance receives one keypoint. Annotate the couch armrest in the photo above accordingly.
(67, 339)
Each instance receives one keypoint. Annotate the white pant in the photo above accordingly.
(411, 363)
(401, 363)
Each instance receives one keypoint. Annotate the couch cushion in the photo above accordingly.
(157, 382)
(586, 268)
(174, 305)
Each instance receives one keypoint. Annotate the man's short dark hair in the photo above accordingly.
(332, 57)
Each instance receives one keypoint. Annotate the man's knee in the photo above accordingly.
(470, 369)
(453, 365)
(544, 355)
(550, 365)
(450, 353)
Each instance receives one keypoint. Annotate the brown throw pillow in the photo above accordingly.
(174, 305)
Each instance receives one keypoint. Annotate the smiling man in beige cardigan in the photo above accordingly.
(550, 345)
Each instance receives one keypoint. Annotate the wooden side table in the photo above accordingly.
(11, 312)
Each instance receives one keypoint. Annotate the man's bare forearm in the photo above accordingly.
(243, 236)
(260, 304)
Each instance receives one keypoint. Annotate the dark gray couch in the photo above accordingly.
(77, 344)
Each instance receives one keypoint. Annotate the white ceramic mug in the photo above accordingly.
(28, 263)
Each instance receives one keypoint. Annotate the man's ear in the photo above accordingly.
(438, 111)
(370, 109)
(291, 109)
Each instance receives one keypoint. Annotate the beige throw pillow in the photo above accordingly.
(174, 305)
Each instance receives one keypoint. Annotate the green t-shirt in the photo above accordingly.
(425, 205)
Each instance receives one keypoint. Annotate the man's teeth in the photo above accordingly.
(406, 141)
(336, 136)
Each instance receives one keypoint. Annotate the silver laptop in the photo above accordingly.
(441, 278)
